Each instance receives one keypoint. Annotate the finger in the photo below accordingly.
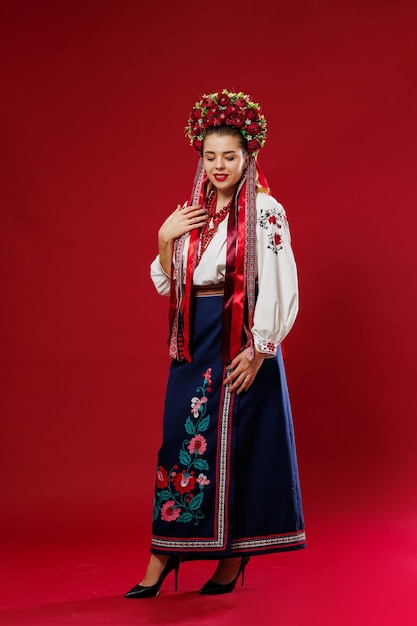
(247, 382)
(241, 381)
(189, 209)
(231, 377)
(196, 222)
(200, 213)
(236, 362)
(233, 370)
(197, 215)
(228, 380)
(195, 225)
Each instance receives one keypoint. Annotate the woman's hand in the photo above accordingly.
(243, 371)
(181, 221)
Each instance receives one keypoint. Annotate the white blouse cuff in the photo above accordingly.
(268, 348)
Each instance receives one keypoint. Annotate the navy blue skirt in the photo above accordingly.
(226, 479)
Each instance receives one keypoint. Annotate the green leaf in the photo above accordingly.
(189, 426)
(155, 513)
(201, 464)
(165, 495)
(195, 503)
(185, 517)
(203, 425)
(185, 458)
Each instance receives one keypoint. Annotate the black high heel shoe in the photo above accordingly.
(139, 591)
(212, 588)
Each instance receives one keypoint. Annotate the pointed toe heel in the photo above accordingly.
(214, 589)
(139, 591)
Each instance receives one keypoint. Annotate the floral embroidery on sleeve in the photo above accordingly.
(275, 222)
(180, 491)
(266, 347)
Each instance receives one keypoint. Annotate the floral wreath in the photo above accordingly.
(231, 109)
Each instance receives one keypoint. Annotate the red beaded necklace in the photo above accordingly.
(213, 220)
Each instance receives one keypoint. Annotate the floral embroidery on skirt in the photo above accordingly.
(180, 491)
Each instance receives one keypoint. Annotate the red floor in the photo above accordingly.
(353, 572)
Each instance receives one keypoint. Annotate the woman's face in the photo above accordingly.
(224, 161)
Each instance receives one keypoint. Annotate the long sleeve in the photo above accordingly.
(160, 278)
(277, 302)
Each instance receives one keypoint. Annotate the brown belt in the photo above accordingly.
(209, 290)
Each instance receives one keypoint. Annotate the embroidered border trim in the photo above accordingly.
(259, 543)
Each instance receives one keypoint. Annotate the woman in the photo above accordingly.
(227, 482)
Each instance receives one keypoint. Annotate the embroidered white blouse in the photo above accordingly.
(277, 301)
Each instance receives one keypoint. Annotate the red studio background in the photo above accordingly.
(95, 97)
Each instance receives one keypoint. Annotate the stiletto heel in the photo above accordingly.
(243, 565)
(139, 591)
(176, 570)
(212, 588)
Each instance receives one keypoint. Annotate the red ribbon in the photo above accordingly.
(234, 285)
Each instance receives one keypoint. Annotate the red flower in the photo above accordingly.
(254, 129)
(224, 100)
(272, 219)
(184, 483)
(277, 239)
(208, 120)
(168, 512)
(252, 114)
(237, 120)
(253, 145)
(241, 103)
(195, 114)
(197, 130)
(197, 444)
(198, 144)
(231, 109)
(207, 102)
(161, 477)
(207, 375)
